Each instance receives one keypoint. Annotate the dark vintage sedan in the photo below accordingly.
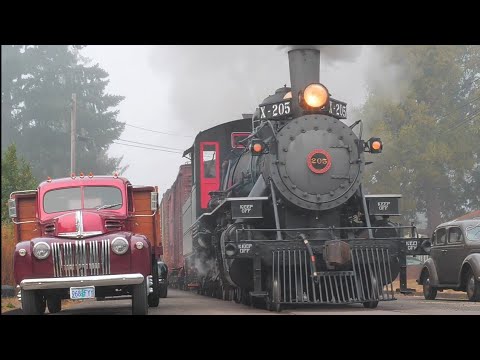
(454, 261)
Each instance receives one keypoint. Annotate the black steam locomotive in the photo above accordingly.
(277, 213)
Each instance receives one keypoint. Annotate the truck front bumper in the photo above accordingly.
(66, 282)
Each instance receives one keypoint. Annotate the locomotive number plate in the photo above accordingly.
(337, 109)
(85, 292)
(275, 111)
(282, 110)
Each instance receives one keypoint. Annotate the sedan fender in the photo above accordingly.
(432, 270)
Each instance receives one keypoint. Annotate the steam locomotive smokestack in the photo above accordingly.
(304, 70)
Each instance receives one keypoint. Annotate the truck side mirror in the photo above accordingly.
(153, 201)
(12, 208)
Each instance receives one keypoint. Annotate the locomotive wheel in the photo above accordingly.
(247, 299)
(370, 304)
(237, 297)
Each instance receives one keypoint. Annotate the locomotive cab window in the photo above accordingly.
(209, 161)
(236, 139)
(209, 170)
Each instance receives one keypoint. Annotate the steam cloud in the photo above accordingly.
(204, 265)
(210, 84)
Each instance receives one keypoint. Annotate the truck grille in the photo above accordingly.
(369, 279)
(81, 258)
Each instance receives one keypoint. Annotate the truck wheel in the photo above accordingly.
(163, 291)
(54, 304)
(139, 299)
(32, 303)
(154, 298)
(473, 287)
(429, 292)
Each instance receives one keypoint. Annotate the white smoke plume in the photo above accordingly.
(213, 84)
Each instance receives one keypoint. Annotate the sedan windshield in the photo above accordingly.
(94, 197)
(473, 232)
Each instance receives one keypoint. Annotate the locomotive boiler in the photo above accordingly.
(277, 213)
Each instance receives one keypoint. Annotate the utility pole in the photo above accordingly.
(73, 134)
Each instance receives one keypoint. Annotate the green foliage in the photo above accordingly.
(16, 175)
(37, 86)
(431, 136)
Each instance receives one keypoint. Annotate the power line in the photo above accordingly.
(470, 102)
(143, 147)
(159, 132)
(469, 118)
(158, 146)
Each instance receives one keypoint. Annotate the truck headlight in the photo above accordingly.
(119, 245)
(41, 250)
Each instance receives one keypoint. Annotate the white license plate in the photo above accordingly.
(85, 292)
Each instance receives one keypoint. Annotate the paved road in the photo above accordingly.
(185, 303)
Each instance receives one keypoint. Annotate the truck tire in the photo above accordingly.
(32, 303)
(154, 297)
(54, 304)
(163, 291)
(139, 299)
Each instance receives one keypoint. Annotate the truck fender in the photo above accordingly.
(432, 270)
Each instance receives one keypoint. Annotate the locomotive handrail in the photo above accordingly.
(335, 228)
(310, 240)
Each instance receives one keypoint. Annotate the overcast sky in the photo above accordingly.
(185, 89)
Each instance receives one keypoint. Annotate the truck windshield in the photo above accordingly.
(94, 197)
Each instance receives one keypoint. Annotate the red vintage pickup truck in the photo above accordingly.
(86, 237)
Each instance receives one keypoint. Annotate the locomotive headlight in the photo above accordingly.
(119, 245)
(41, 250)
(315, 95)
(230, 249)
